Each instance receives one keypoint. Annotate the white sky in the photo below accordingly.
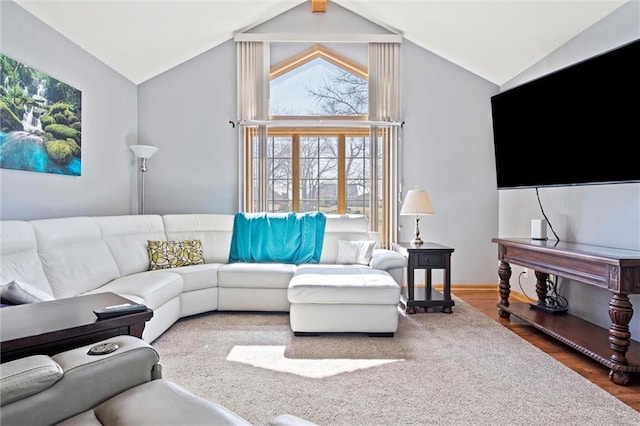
(290, 89)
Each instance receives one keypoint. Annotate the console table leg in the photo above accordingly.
(504, 272)
(620, 312)
(541, 286)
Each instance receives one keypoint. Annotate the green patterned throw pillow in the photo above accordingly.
(173, 254)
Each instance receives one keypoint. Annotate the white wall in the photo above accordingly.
(109, 124)
(186, 112)
(447, 139)
(603, 215)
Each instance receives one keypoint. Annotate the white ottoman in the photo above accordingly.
(348, 299)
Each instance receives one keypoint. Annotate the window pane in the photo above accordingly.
(280, 147)
(309, 147)
(328, 147)
(355, 168)
(329, 196)
(357, 146)
(309, 168)
(318, 88)
(308, 189)
(328, 168)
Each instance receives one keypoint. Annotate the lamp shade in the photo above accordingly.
(143, 151)
(417, 202)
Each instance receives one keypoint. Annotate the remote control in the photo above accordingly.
(117, 310)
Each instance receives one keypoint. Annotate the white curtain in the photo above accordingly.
(384, 105)
(253, 80)
(384, 81)
(253, 67)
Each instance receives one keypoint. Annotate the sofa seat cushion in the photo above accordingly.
(198, 277)
(158, 402)
(256, 275)
(343, 285)
(154, 288)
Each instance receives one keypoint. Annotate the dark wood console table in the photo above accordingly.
(59, 325)
(613, 269)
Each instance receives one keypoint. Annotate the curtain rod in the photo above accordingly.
(316, 123)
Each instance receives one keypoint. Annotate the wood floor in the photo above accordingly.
(485, 300)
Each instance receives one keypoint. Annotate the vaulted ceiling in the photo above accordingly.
(495, 39)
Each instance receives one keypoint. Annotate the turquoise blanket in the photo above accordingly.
(294, 238)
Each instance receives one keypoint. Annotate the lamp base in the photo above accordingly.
(417, 241)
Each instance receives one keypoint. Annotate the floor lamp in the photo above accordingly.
(417, 203)
(142, 152)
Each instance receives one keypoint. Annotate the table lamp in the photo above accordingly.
(417, 203)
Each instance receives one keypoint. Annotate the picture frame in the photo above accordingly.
(40, 121)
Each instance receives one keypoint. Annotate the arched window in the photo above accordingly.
(318, 83)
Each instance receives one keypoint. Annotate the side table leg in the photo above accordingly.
(620, 312)
(410, 289)
(447, 284)
(504, 272)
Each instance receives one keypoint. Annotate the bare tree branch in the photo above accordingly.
(342, 94)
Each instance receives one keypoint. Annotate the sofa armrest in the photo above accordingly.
(384, 259)
(86, 381)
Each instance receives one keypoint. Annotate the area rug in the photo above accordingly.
(439, 369)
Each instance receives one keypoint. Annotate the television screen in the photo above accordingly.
(576, 126)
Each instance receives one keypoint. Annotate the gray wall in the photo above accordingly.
(109, 124)
(602, 215)
(185, 112)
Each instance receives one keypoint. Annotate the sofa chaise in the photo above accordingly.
(67, 257)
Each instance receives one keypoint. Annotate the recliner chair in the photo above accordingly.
(122, 386)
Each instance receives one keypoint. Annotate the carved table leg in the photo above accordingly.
(620, 312)
(541, 287)
(504, 272)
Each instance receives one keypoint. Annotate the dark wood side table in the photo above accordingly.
(59, 325)
(427, 256)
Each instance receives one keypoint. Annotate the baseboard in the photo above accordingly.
(513, 295)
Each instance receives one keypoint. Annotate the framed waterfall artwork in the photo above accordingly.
(40, 121)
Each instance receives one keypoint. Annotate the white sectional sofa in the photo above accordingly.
(72, 256)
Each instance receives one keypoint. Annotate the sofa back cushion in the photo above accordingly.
(127, 237)
(74, 256)
(19, 256)
(352, 227)
(214, 230)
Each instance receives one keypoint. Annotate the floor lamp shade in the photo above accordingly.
(142, 152)
(417, 203)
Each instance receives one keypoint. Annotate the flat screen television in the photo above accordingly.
(579, 125)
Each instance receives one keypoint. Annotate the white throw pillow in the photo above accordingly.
(355, 252)
(20, 293)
